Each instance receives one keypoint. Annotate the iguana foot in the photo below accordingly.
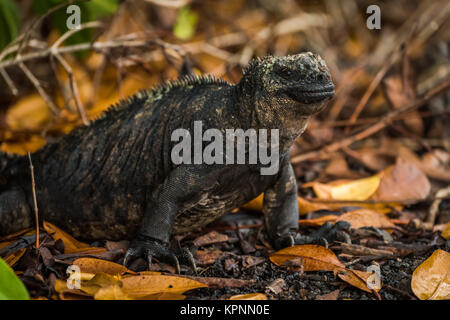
(151, 248)
(326, 234)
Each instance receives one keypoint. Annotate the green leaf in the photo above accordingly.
(11, 288)
(9, 22)
(185, 24)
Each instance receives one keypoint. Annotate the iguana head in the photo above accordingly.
(297, 85)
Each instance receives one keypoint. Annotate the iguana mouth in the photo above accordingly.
(312, 94)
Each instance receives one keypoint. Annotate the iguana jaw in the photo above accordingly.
(311, 94)
(310, 100)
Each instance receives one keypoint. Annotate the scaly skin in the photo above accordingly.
(115, 179)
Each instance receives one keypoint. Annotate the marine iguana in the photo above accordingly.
(114, 179)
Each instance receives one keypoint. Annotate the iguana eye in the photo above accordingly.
(285, 72)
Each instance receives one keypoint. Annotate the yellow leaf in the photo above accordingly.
(141, 286)
(71, 245)
(164, 296)
(357, 278)
(32, 144)
(358, 190)
(249, 296)
(446, 232)
(113, 292)
(256, 204)
(431, 280)
(100, 280)
(92, 265)
(29, 113)
(314, 257)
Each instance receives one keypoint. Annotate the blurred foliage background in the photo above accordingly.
(131, 45)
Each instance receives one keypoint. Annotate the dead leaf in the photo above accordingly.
(164, 296)
(214, 282)
(366, 218)
(92, 265)
(446, 232)
(317, 222)
(249, 296)
(338, 167)
(356, 190)
(71, 245)
(403, 181)
(210, 238)
(314, 257)
(140, 286)
(255, 204)
(435, 172)
(113, 292)
(399, 97)
(333, 295)
(207, 257)
(431, 280)
(14, 257)
(357, 278)
(276, 286)
(100, 280)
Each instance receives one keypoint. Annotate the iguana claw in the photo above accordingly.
(327, 233)
(152, 248)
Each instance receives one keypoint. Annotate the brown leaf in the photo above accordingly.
(431, 280)
(71, 245)
(92, 265)
(403, 181)
(214, 282)
(357, 278)
(366, 218)
(317, 222)
(314, 257)
(164, 296)
(14, 257)
(207, 257)
(249, 296)
(435, 172)
(338, 167)
(210, 238)
(333, 295)
(140, 286)
(276, 286)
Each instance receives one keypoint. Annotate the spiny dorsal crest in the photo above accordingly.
(157, 92)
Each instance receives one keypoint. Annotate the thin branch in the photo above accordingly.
(74, 89)
(33, 186)
(9, 82)
(39, 88)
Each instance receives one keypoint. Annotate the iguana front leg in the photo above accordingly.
(182, 189)
(281, 214)
(280, 207)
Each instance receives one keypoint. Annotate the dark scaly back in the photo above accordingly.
(106, 170)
